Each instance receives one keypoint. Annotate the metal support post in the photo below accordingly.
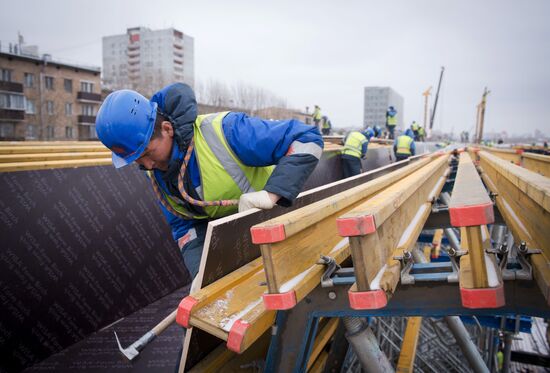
(468, 348)
(507, 352)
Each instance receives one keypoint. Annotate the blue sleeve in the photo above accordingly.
(395, 146)
(294, 147)
(179, 226)
(364, 149)
(413, 148)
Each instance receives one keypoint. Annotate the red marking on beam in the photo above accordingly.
(270, 234)
(466, 216)
(367, 300)
(356, 226)
(184, 310)
(483, 298)
(280, 301)
(236, 336)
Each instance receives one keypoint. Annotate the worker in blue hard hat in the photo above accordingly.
(377, 131)
(391, 121)
(355, 149)
(404, 146)
(203, 167)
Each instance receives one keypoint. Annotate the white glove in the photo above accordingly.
(259, 200)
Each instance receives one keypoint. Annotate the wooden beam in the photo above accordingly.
(510, 155)
(45, 165)
(321, 340)
(26, 149)
(381, 220)
(34, 157)
(537, 163)
(405, 364)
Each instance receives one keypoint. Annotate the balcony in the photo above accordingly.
(88, 96)
(86, 120)
(7, 114)
(11, 86)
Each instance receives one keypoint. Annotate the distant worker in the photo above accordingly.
(391, 121)
(421, 134)
(355, 149)
(317, 116)
(414, 128)
(326, 125)
(377, 132)
(203, 167)
(404, 146)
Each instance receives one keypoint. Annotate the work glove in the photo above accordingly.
(259, 200)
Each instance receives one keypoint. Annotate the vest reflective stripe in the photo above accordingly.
(223, 175)
(298, 147)
(404, 145)
(392, 121)
(354, 144)
(222, 153)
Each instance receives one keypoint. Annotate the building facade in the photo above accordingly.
(146, 60)
(376, 103)
(43, 99)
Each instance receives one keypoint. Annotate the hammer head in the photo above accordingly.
(130, 352)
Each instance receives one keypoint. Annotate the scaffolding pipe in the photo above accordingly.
(468, 347)
(418, 256)
(365, 345)
(507, 352)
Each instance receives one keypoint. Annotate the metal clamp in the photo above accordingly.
(518, 266)
(332, 267)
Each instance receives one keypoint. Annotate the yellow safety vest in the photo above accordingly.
(404, 145)
(354, 144)
(223, 176)
(317, 114)
(392, 121)
(414, 127)
(421, 131)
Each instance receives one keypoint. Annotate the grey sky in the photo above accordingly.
(325, 52)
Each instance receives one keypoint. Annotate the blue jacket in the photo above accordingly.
(256, 142)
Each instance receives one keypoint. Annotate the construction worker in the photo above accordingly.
(355, 149)
(404, 146)
(326, 125)
(377, 132)
(414, 128)
(421, 134)
(317, 116)
(391, 121)
(203, 167)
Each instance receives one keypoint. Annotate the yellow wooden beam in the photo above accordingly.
(405, 364)
(40, 157)
(321, 340)
(45, 165)
(537, 163)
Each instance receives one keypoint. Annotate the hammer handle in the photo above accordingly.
(168, 320)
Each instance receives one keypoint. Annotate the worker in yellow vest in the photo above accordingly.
(421, 134)
(355, 149)
(203, 167)
(404, 146)
(391, 121)
(414, 128)
(317, 117)
(326, 126)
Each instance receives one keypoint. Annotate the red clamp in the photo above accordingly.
(271, 234)
(483, 298)
(356, 226)
(184, 311)
(236, 336)
(280, 301)
(367, 300)
(466, 216)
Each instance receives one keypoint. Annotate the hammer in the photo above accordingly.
(134, 349)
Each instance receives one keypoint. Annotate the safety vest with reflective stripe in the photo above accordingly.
(317, 114)
(392, 121)
(223, 175)
(421, 131)
(354, 144)
(404, 145)
(414, 127)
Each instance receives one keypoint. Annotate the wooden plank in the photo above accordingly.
(16, 158)
(228, 235)
(537, 163)
(510, 155)
(320, 363)
(401, 202)
(321, 340)
(47, 143)
(405, 364)
(25, 149)
(45, 165)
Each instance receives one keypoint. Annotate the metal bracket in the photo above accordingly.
(518, 266)
(332, 267)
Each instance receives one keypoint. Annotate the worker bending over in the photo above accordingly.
(204, 167)
(355, 149)
(404, 146)
(326, 125)
(391, 121)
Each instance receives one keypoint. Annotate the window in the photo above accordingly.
(93, 132)
(31, 131)
(69, 132)
(68, 109)
(49, 107)
(68, 84)
(31, 109)
(5, 75)
(7, 130)
(87, 87)
(49, 132)
(12, 101)
(48, 82)
(88, 110)
(29, 80)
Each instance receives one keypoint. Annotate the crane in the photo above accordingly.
(426, 93)
(481, 116)
(436, 97)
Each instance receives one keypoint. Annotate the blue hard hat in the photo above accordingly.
(368, 133)
(124, 124)
(409, 132)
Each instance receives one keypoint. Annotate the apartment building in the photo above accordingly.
(44, 99)
(146, 60)
(376, 103)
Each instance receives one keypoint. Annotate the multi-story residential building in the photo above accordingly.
(146, 60)
(45, 99)
(377, 101)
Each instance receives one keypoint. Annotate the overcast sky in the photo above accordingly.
(325, 52)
